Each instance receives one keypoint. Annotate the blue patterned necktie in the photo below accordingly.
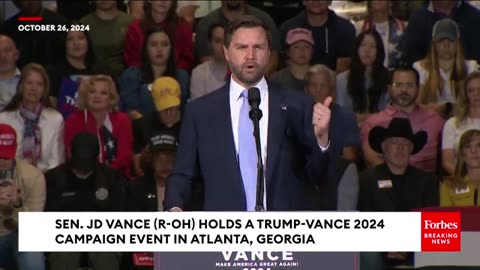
(247, 153)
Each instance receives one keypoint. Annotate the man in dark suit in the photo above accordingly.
(217, 143)
(395, 185)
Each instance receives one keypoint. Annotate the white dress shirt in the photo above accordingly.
(236, 103)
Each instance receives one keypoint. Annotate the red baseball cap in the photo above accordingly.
(8, 142)
(299, 34)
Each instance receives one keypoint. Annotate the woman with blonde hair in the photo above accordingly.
(444, 68)
(98, 113)
(466, 116)
(461, 189)
(39, 127)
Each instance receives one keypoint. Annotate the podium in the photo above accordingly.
(256, 261)
(468, 257)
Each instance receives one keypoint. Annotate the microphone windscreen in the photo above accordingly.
(254, 96)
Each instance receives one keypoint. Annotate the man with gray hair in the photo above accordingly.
(395, 186)
(341, 192)
(320, 83)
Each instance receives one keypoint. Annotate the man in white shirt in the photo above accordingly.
(217, 143)
(9, 73)
(210, 75)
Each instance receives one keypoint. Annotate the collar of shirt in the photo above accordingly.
(235, 107)
(15, 76)
(236, 89)
(392, 111)
(432, 9)
(42, 116)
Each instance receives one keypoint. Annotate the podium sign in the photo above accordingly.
(256, 260)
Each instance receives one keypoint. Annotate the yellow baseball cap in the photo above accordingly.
(165, 93)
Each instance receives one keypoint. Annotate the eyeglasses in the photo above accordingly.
(408, 85)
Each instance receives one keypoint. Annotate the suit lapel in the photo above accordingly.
(276, 129)
(225, 127)
(225, 130)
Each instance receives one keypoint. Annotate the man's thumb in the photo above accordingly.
(327, 101)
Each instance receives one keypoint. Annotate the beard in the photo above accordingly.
(247, 78)
(403, 100)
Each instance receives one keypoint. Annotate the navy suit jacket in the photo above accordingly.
(207, 152)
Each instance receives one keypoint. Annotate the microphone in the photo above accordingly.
(254, 100)
(255, 114)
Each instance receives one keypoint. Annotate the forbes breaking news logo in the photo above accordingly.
(441, 231)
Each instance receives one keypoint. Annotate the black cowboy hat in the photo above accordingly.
(398, 127)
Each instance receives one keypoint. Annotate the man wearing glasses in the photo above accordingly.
(403, 91)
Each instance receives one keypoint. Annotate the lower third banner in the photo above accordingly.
(256, 260)
(239, 231)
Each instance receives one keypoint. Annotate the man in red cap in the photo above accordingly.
(299, 51)
(22, 188)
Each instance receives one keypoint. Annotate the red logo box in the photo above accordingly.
(143, 259)
(441, 231)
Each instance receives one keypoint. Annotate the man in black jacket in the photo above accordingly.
(395, 185)
(85, 185)
(146, 193)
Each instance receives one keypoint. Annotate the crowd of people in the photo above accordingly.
(90, 120)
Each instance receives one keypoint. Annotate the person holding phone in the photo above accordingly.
(22, 188)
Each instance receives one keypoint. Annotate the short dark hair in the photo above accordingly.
(245, 21)
(404, 68)
(213, 27)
